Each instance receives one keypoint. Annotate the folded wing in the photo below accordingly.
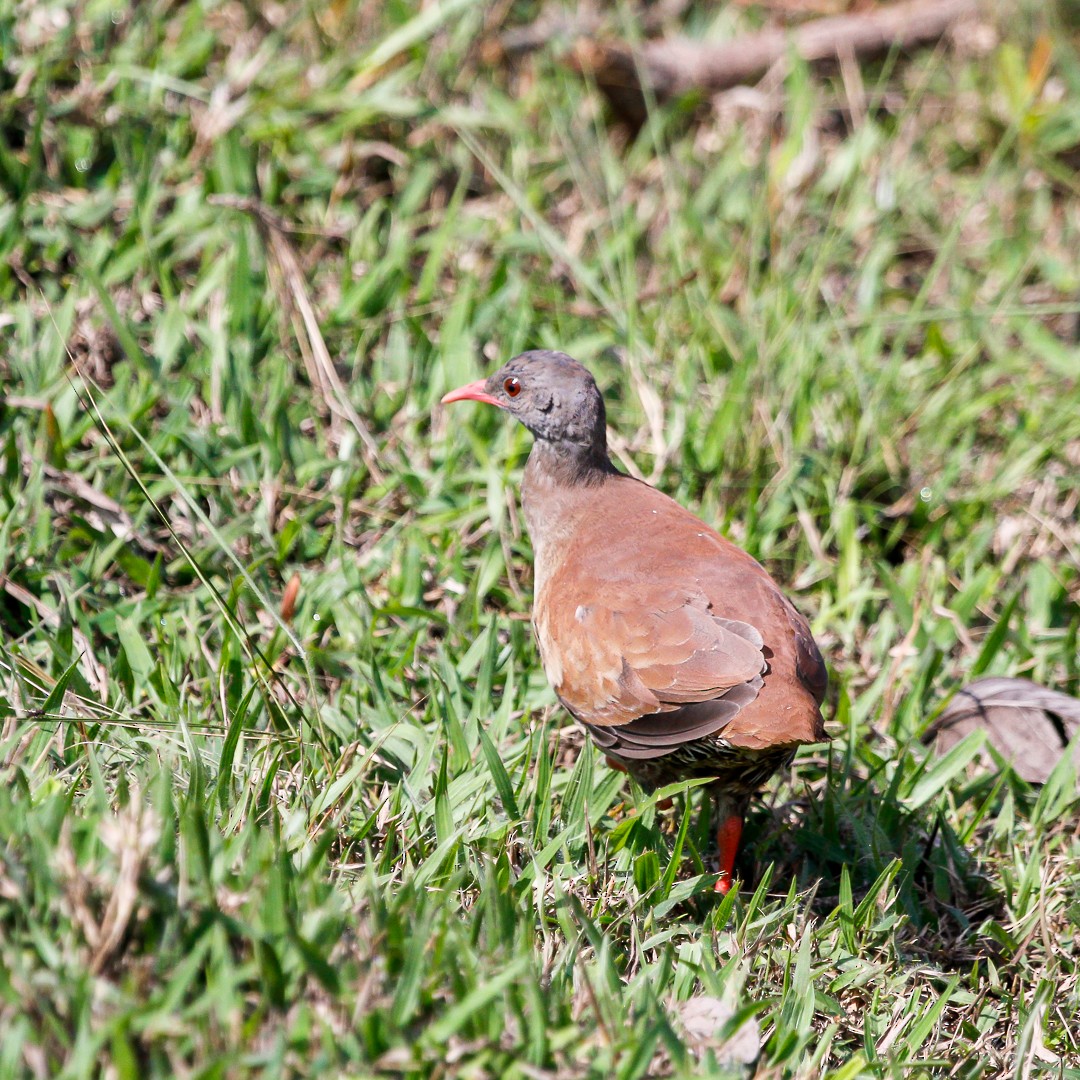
(647, 681)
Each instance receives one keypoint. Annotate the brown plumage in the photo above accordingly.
(673, 647)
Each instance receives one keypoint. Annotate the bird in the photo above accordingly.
(672, 647)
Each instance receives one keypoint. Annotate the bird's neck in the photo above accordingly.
(558, 487)
(568, 465)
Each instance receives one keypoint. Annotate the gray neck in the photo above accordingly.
(555, 491)
(567, 464)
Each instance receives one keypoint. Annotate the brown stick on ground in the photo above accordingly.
(674, 66)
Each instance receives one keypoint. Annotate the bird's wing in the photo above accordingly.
(656, 631)
(666, 673)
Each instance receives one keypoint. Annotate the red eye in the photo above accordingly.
(512, 387)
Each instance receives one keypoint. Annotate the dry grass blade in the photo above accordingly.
(317, 359)
(95, 674)
(131, 836)
(107, 514)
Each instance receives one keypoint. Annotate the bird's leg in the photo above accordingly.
(728, 834)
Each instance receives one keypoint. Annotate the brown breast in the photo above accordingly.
(657, 629)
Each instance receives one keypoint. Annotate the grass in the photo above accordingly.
(245, 251)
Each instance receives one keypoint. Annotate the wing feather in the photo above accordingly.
(610, 667)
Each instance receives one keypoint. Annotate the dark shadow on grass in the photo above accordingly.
(943, 890)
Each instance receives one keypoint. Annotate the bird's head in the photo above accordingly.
(553, 395)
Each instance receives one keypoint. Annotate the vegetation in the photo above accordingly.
(338, 827)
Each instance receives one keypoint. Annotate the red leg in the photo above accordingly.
(728, 836)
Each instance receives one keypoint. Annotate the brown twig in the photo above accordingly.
(674, 66)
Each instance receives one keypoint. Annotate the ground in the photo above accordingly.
(283, 790)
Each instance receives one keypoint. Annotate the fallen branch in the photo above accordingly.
(674, 66)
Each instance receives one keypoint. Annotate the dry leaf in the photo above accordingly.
(704, 1017)
(1029, 725)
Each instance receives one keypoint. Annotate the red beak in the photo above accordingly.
(473, 392)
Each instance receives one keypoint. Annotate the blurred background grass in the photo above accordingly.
(246, 248)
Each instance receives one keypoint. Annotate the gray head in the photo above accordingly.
(555, 397)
